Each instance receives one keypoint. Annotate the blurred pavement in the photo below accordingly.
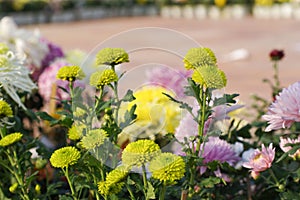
(241, 46)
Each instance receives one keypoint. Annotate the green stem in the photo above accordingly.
(145, 181)
(66, 172)
(201, 122)
(273, 176)
(130, 192)
(162, 191)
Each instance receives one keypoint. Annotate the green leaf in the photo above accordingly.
(129, 117)
(128, 96)
(2, 196)
(225, 99)
(45, 116)
(210, 182)
(150, 192)
(65, 197)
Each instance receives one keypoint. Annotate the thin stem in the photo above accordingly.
(145, 181)
(66, 172)
(130, 192)
(201, 122)
(274, 177)
(162, 191)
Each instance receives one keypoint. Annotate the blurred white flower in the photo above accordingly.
(14, 76)
(23, 42)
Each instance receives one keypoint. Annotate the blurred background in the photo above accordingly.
(242, 33)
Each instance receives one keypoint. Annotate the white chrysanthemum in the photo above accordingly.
(23, 41)
(14, 76)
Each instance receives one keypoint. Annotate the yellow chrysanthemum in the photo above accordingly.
(10, 139)
(264, 2)
(156, 108)
(5, 110)
(64, 157)
(111, 56)
(104, 77)
(70, 73)
(167, 167)
(140, 152)
(3, 48)
(93, 138)
(210, 77)
(79, 112)
(197, 57)
(75, 132)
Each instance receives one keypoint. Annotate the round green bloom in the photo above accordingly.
(197, 57)
(117, 175)
(210, 77)
(3, 48)
(64, 157)
(93, 138)
(75, 132)
(167, 167)
(70, 73)
(3, 61)
(140, 152)
(111, 56)
(104, 77)
(10, 139)
(5, 110)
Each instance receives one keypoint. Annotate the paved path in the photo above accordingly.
(251, 38)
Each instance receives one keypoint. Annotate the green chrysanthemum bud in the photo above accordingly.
(93, 138)
(70, 73)
(111, 56)
(64, 157)
(13, 187)
(104, 77)
(3, 61)
(3, 48)
(40, 163)
(197, 57)
(210, 77)
(140, 152)
(10, 139)
(5, 110)
(167, 167)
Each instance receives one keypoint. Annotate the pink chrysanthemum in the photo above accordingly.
(169, 78)
(285, 147)
(259, 160)
(48, 78)
(285, 110)
(216, 149)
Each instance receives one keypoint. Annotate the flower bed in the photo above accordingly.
(68, 133)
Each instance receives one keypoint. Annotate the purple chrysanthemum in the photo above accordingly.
(285, 110)
(48, 79)
(216, 149)
(54, 52)
(169, 78)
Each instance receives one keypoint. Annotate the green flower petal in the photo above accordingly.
(111, 56)
(197, 57)
(167, 167)
(70, 73)
(104, 77)
(210, 77)
(5, 110)
(140, 152)
(3, 48)
(64, 157)
(93, 138)
(10, 139)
